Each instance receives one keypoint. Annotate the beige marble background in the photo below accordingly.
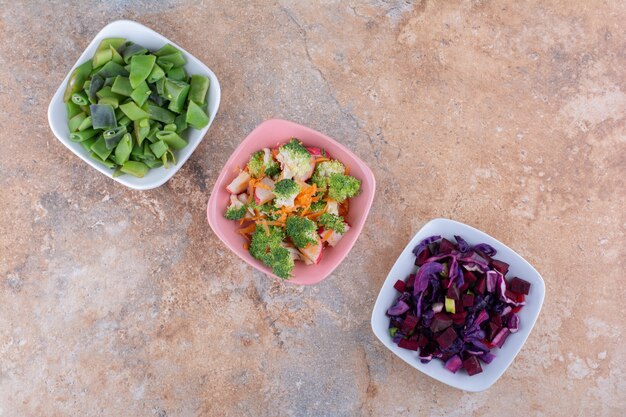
(507, 115)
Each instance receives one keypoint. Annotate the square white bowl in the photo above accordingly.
(138, 33)
(528, 314)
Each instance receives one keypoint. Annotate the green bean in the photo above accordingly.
(172, 139)
(86, 124)
(154, 163)
(121, 86)
(160, 114)
(136, 153)
(88, 142)
(112, 69)
(97, 82)
(176, 92)
(154, 95)
(112, 101)
(141, 129)
(102, 116)
(166, 156)
(141, 93)
(111, 43)
(100, 148)
(76, 121)
(140, 68)
(84, 135)
(196, 116)
(122, 150)
(156, 74)
(101, 57)
(177, 74)
(115, 56)
(72, 109)
(154, 129)
(199, 87)
(180, 122)
(133, 111)
(80, 98)
(170, 61)
(170, 127)
(113, 136)
(104, 162)
(137, 169)
(108, 92)
(160, 86)
(77, 79)
(124, 121)
(158, 148)
(147, 152)
(133, 50)
(167, 49)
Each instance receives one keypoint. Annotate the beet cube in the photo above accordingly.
(445, 246)
(519, 285)
(468, 300)
(422, 340)
(408, 344)
(469, 276)
(446, 338)
(424, 255)
(499, 266)
(459, 318)
(458, 306)
(410, 281)
(399, 285)
(472, 366)
(511, 295)
(481, 285)
(440, 322)
(409, 323)
(497, 320)
(453, 292)
(492, 330)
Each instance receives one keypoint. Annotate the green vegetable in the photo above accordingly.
(156, 74)
(332, 222)
(72, 109)
(121, 86)
(100, 148)
(317, 206)
(178, 74)
(122, 150)
(102, 116)
(76, 121)
(286, 191)
(196, 117)
(133, 111)
(141, 93)
(269, 250)
(296, 157)
(140, 68)
(324, 170)
(342, 186)
(76, 80)
(135, 168)
(83, 135)
(301, 231)
(235, 213)
(162, 115)
(450, 305)
(176, 92)
(199, 88)
(113, 136)
(141, 128)
(172, 139)
(80, 98)
(132, 50)
(262, 163)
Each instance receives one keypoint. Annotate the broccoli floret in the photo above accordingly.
(261, 163)
(325, 169)
(332, 222)
(281, 262)
(235, 212)
(269, 250)
(295, 160)
(286, 191)
(342, 186)
(302, 231)
(317, 206)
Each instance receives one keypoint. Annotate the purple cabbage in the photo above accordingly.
(462, 245)
(423, 244)
(485, 249)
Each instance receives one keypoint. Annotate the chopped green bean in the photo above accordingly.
(121, 86)
(167, 49)
(76, 121)
(196, 116)
(133, 111)
(101, 57)
(80, 98)
(77, 79)
(141, 93)
(154, 163)
(97, 82)
(135, 168)
(160, 114)
(158, 148)
(72, 109)
(141, 129)
(167, 156)
(172, 139)
(140, 68)
(84, 135)
(176, 92)
(147, 152)
(180, 122)
(112, 69)
(112, 101)
(170, 127)
(156, 74)
(100, 148)
(113, 136)
(133, 50)
(102, 116)
(86, 124)
(170, 61)
(177, 74)
(198, 89)
(86, 144)
(108, 92)
(104, 162)
(111, 42)
(123, 148)
(115, 56)
(124, 120)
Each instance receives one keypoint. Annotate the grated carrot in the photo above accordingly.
(275, 223)
(263, 186)
(264, 224)
(347, 171)
(322, 159)
(248, 229)
(246, 246)
(326, 234)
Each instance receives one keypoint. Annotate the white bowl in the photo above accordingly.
(133, 31)
(528, 314)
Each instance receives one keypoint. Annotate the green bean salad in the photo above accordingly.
(128, 106)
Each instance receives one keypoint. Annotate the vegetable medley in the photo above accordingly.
(458, 306)
(294, 200)
(128, 106)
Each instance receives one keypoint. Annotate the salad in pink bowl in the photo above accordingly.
(291, 202)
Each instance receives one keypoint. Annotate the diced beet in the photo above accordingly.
(424, 255)
(409, 323)
(481, 285)
(445, 282)
(488, 344)
(516, 309)
(459, 318)
(422, 340)
(519, 286)
(501, 337)
(408, 344)
(469, 276)
(472, 366)
(454, 364)
(497, 320)
(440, 322)
(453, 292)
(468, 300)
(399, 285)
(492, 330)
(499, 266)
(458, 306)
(464, 287)
(520, 298)
(445, 246)
(446, 338)
(410, 281)
(510, 294)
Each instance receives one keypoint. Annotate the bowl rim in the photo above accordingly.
(467, 384)
(212, 203)
(56, 102)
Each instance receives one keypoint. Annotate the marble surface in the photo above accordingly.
(509, 116)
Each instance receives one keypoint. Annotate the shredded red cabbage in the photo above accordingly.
(458, 305)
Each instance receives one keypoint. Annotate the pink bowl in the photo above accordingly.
(269, 134)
